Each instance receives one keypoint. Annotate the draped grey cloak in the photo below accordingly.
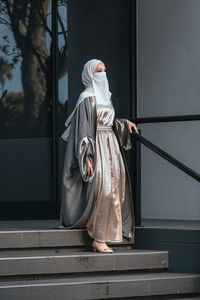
(77, 186)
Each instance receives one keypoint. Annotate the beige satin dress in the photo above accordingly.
(105, 220)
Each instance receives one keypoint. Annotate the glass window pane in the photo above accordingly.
(25, 64)
(25, 111)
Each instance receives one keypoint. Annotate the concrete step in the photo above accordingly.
(189, 298)
(193, 296)
(58, 249)
(101, 287)
(168, 297)
(26, 264)
(20, 239)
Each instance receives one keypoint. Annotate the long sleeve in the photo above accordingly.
(122, 131)
(86, 149)
(84, 138)
(77, 186)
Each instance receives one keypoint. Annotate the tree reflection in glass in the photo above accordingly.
(26, 67)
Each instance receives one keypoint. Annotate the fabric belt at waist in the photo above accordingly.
(104, 127)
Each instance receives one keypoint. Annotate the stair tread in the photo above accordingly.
(102, 287)
(125, 260)
(37, 238)
(105, 278)
(26, 230)
(191, 298)
(129, 252)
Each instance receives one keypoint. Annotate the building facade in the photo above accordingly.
(151, 52)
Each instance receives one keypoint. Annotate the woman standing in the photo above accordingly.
(96, 190)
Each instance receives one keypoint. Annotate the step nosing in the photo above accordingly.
(43, 230)
(98, 279)
(92, 255)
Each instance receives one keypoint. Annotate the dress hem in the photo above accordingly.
(107, 241)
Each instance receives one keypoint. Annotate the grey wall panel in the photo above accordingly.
(179, 139)
(182, 244)
(168, 70)
(168, 57)
(167, 192)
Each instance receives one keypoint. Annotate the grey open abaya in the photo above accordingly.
(78, 189)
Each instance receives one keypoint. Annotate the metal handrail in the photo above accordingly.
(167, 119)
(4, 93)
(166, 156)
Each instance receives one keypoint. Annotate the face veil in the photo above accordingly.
(96, 84)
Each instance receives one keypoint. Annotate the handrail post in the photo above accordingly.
(136, 182)
(55, 104)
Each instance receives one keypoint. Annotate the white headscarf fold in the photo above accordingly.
(96, 84)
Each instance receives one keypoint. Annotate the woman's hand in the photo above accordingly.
(134, 126)
(90, 169)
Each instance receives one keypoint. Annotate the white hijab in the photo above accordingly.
(96, 84)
